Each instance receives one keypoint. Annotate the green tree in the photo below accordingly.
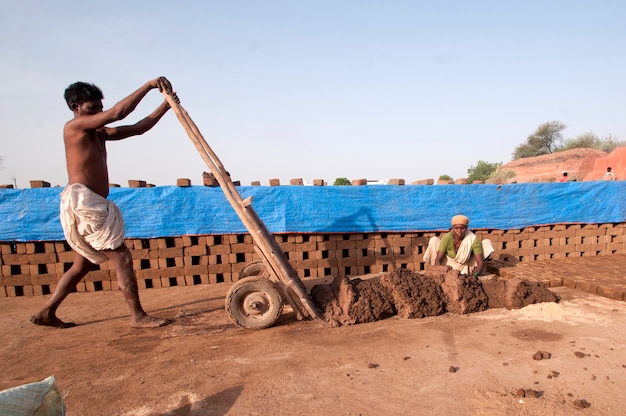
(445, 177)
(342, 181)
(592, 141)
(545, 140)
(482, 171)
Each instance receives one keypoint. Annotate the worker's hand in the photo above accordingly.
(163, 84)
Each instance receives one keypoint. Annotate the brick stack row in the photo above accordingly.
(33, 268)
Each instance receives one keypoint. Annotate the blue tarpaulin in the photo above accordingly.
(169, 211)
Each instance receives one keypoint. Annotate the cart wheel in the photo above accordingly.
(254, 303)
(254, 268)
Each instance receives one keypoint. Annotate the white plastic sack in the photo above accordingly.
(41, 398)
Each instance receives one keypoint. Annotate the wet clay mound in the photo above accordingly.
(464, 294)
(430, 293)
(516, 293)
(347, 302)
(414, 296)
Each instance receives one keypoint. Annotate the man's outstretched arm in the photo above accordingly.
(122, 109)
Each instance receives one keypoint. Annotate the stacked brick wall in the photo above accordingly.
(33, 268)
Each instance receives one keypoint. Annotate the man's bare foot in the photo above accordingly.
(150, 322)
(51, 321)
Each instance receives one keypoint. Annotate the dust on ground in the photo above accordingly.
(480, 363)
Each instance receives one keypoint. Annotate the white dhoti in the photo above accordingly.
(90, 222)
(464, 261)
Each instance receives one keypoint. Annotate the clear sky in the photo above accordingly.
(312, 89)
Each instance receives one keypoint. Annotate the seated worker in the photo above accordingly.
(459, 249)
(609, 175)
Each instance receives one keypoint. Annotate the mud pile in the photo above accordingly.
(411, 295)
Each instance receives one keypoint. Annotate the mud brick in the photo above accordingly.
(170, 242)
(346, 262)
(613, 248)
(571, 230)
(327, 245)
(358, 271)
(507, 237)
(27, 291)
(215, 278)
(400, 250)
(169, 281)
(296, 182)
(616, 293)
(183, 182)
(585, 245)
(401, 239)
(323, 254)
(133, 183)
(137, 243)
(243, 248)
(20, 248)
(296, 256)
(168, 253)
(324, 263)
(305, 274)
(346, 249)
(200, 250)
(193, 240)
(166, 262)
(191, 280)
(382, 243)
(144, 254)
(327, 271)
(420, 241)
(39, 184)
(308, 246)
(239, 239)
(365, 252)
(44, 279)
(359, 182)
(364, 244)
(366, 261)
(41, 269)
(97, 275)
(222, 249)
(3, 292)
(255, 183)
(37, 290)
(195, 270)
(5, 248)
(318, 182)
(586, 286)
(395, 182)
(81, 287)
(304, 264)
(294, 238)
(274, 182)
(573, 240)
(232, 258)
(195, 260)
(602, 239)
(219, 268)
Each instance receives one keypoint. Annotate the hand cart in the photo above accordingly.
(255, 301)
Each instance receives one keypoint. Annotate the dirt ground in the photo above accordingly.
(203, 364)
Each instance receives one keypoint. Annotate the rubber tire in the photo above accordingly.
(254, 268)
(254, 303)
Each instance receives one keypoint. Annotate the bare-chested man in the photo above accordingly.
(93, 225)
